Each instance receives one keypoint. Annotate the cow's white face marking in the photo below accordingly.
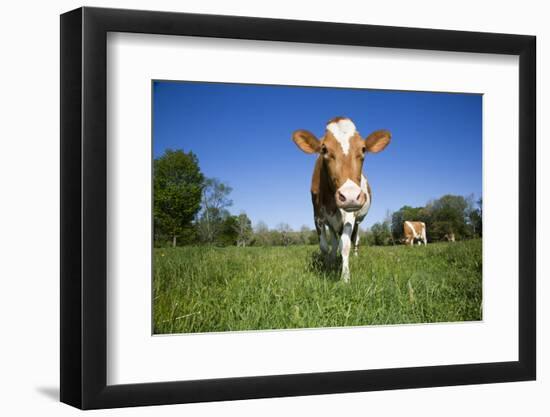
(342, 130)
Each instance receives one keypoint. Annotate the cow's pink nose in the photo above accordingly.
(341, 197)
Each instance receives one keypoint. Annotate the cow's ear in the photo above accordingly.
(306, 141)
(377, 141)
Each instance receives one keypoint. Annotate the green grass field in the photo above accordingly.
(208, 289)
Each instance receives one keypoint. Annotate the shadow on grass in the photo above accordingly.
(324, 266)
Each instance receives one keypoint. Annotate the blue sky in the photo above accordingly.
(242, 135)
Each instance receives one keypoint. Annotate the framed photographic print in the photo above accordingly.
(257, 208)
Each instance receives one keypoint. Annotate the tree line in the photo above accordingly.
(191, 209)
(449, 215)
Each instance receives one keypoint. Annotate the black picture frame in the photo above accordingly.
(84, 207)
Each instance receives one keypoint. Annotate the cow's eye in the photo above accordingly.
(364, 149)
(324, 150)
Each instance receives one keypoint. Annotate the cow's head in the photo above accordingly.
(343, 150)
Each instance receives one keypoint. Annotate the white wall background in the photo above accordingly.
(29, 215)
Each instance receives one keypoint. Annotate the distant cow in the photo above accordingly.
(340, 193)
(414, 231)
(449, 237)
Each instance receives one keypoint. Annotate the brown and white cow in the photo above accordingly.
(340, 193)
(414, 231)
(449, 237)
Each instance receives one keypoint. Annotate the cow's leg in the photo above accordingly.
(323, 242)
(334, 245)
(424, 237)
(345, 246)
(355, 239)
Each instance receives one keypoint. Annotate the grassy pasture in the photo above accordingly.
(205, 289)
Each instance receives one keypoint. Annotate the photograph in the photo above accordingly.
(282, 207)
(307, 202)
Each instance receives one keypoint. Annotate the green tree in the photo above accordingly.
(227, 235)
(274, 238)
(285, 233)
(261, 234)
(243, 228)
(366, 237)
(475, 218)
(177, 188)
(215, 201)
(308, 236)
(448, 215)
(381, 234)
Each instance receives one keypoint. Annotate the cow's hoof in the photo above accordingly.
(345, 277)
